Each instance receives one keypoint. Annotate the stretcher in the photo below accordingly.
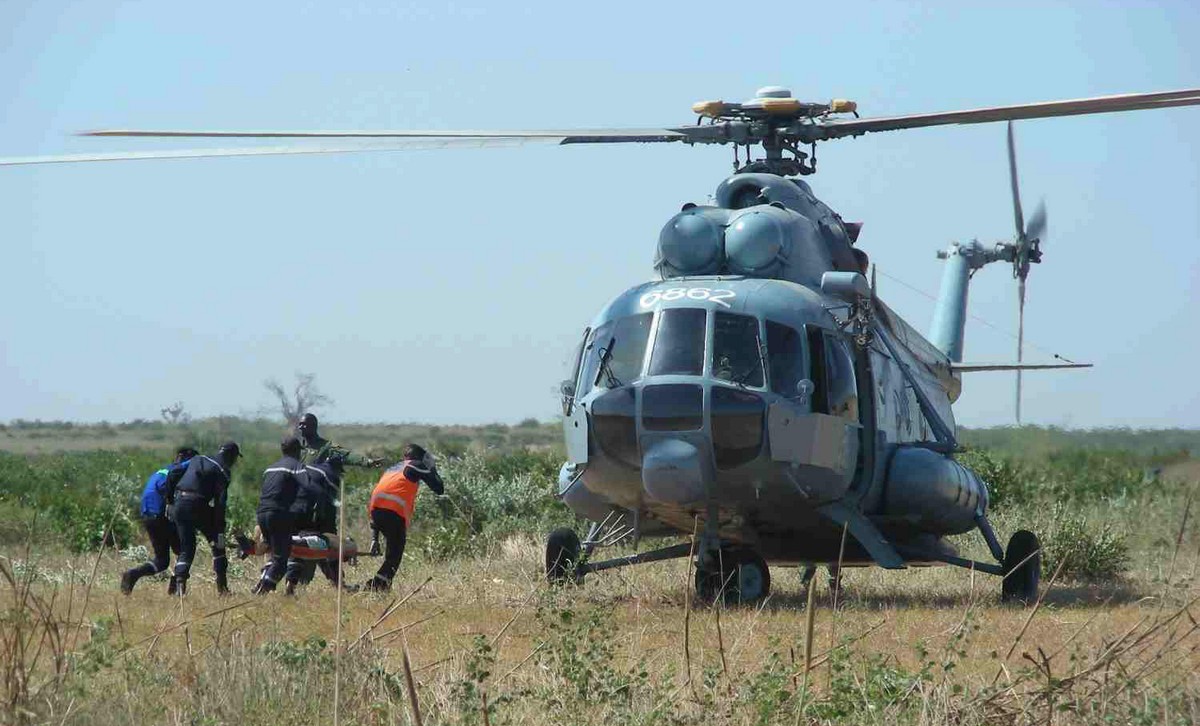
(315, 546)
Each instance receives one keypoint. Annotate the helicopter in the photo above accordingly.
(758, 399)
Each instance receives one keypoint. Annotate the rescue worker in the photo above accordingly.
(318, 450)
(200, 501)
(315, 510)
(164, 540)
(279, 486)
(391, 508)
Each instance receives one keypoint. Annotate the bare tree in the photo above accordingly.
(303, 397)
(175, 414)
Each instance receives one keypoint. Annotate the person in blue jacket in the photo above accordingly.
(164, 539)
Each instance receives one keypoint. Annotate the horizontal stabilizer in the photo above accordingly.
(975, 367)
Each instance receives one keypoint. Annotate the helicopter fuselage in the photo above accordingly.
(749, 404)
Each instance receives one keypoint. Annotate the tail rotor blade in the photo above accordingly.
(1037, 224)
(1018, 216)
(1020, 340)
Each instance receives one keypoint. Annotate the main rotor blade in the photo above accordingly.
(1103, 104)
(561, 136)
(1018, 215)
(395, 145)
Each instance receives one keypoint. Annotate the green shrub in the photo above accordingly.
(1088, 550)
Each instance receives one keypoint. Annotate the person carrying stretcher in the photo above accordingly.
(316, 517)
(200, 502)
(275, 521)
(391, 509)
(313, 542)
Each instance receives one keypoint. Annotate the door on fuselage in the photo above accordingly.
(818, 426)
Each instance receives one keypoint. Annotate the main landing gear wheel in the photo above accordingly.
(740, 578)
(1022, 568)
(562, 556)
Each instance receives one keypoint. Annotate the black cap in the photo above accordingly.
(308, 419)
(231, 448)
(185, 452)
(413, 452)
(290, 446)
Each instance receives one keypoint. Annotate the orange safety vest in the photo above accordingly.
(395, 492)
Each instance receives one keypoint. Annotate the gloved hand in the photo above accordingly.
(375, 551)
(170, 512)
(375, 463)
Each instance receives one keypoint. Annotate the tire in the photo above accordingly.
(562, 556)
(1022, 568)
(743, 579)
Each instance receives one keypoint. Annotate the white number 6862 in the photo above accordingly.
(719, 297)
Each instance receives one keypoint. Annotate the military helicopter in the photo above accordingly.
(759, 398)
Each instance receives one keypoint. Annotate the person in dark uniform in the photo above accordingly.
(164, 539)
(318, 450)
(315, 510)
(279, 486)
(391, 509)
(200, 501)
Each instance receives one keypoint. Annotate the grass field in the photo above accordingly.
(1113, 641)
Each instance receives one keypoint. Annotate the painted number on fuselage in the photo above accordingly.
(699, 294)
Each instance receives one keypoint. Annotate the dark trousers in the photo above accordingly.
(391, 526)
(194, 516)
(277, 528)
(164, 539)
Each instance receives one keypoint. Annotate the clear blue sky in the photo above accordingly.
(450, 286)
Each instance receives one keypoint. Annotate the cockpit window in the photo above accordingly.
(737, 351)
(836, 391)
(785, 351)
(614, 353)
(679, 344)
(577, 359)
(843, 389)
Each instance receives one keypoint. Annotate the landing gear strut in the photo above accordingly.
(737, 575)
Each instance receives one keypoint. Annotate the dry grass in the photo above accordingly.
(937, 633)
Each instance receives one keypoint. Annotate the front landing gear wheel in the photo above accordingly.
(1022, 568)
(742, 578)
(562, 556)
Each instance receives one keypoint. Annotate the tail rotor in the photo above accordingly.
(1026, 250)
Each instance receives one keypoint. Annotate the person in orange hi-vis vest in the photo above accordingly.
(391, 508)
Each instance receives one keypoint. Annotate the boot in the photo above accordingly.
(180, 585)
(262, 587)
(245, 545)
(222, 583)
(377, 584)
(291, 588)
(131, 576)
(172, 585)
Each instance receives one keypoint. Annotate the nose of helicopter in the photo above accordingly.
(673, 471)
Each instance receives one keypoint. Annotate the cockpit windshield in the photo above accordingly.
(615, 352)
(679, 343)
(737, 351)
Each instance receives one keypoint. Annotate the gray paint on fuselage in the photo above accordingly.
(758, 505)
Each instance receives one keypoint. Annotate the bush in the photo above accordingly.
(1088, 550)
(1072, 475)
